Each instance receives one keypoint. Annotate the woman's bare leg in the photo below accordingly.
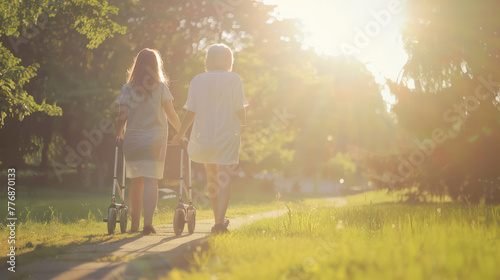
(224, 178)
(212, 171)
(135, 198)
(150, 199)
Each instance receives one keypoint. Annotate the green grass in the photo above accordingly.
(51, 220)
(382, 240)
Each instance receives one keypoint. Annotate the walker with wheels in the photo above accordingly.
(117, 213)
(185, 213)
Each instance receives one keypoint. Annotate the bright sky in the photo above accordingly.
(366, 29)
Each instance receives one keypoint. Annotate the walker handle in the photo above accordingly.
(184, 142)
(117, 141)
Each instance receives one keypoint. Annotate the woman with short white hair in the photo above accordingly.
(216, 104)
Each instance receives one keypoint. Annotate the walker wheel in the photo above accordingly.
(179, 221)
(111, 219)
(191, 219)
(123, 219)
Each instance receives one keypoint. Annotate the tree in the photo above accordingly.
(298, 99)
(85, 82)
(448, 124)
(30, 31)
(343, 112)
(23, 20)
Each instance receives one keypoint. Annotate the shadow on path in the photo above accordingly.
(138, 257)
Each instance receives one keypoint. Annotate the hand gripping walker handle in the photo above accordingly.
(118, 141)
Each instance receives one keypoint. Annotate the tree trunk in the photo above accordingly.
(46, 135)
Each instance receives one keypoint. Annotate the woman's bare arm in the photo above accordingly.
(186, 123)
(122, 119)
(172, 116)
(242, 116)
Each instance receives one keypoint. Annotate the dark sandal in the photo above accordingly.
(148, 230)
(219, 229)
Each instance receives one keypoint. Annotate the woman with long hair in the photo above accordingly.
(146, 108)
(216, 104)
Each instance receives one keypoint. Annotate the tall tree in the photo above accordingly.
(37, 33)
(21, 21)
(449, 123)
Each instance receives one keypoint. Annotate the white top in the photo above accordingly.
(145, 141)
(145, 111)
(215, 97)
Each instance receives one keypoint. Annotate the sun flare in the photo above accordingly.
(367, 30)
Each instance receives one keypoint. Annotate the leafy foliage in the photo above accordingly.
(449, 123)
(298, 99)
(14, 100)
(24, 20)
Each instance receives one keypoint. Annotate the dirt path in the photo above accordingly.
(133, 258)
(138, 257)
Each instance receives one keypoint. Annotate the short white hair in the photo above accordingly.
(219, 57)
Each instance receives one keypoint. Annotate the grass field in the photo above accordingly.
(373, 237)
(376, 239)
(50, 220)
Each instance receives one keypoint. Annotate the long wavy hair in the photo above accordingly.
(146, 73)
